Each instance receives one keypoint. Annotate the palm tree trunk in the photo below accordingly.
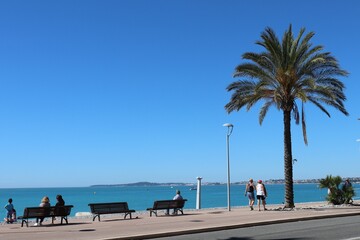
(288, 162)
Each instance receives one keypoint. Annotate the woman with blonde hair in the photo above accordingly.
(45, 202)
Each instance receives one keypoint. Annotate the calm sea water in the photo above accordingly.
(140, 198)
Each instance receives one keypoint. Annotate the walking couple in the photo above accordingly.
(261, 193)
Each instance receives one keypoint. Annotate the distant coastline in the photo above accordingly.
(270, 181)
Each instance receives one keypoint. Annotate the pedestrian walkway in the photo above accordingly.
(193, 221)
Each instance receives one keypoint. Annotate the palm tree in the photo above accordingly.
(286, 72)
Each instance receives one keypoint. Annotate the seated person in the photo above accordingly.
(45, 202)
(59, 201)
(177, 197)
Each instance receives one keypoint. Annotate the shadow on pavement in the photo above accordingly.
(249, 238)
(58, 225)
(117, 219)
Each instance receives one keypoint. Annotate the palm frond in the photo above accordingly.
(296, 114)
(303, 124)
(264, 110)
(316, 103)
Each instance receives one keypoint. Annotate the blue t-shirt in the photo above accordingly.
(9, 207)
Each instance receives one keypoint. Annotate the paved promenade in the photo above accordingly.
(193, 221)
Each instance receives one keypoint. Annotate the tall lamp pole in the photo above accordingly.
(198, 193)
(358, 140)
(230, 129)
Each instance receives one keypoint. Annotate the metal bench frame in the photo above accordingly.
(177, 205)
(98, 209)
(40, 212)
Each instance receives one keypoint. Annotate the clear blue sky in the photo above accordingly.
(106, 92)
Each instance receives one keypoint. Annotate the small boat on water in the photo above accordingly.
(193, 188)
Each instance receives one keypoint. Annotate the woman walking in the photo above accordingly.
(261, 194)
(249, 192)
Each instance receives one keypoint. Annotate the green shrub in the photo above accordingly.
(337, 195)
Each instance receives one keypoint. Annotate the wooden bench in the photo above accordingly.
(39, 212)
(98, 209)
(177, 205)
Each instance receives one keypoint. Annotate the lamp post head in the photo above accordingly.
(230, 128)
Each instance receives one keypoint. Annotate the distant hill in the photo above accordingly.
(142, 184)
(269, 181)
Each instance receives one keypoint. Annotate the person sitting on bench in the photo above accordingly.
(176, 197)
(45, 202)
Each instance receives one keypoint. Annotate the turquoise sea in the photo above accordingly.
(140, 198)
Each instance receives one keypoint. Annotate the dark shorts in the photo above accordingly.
(260, 197)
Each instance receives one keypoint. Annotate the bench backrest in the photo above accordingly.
(166, 204)
(61, 211)
(32, 212)
(113, 207)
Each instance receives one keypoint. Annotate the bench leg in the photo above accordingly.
(126, 214)
(22, 223)
(64, 218)
(153, 212)
(98, 216)
(177, 210)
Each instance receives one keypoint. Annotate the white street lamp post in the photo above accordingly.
(358, 140)
(198, 193)
(230, 129)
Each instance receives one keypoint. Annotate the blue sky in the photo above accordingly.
(106, 92)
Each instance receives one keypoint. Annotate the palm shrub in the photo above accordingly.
(349, 193)
(337, 195)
